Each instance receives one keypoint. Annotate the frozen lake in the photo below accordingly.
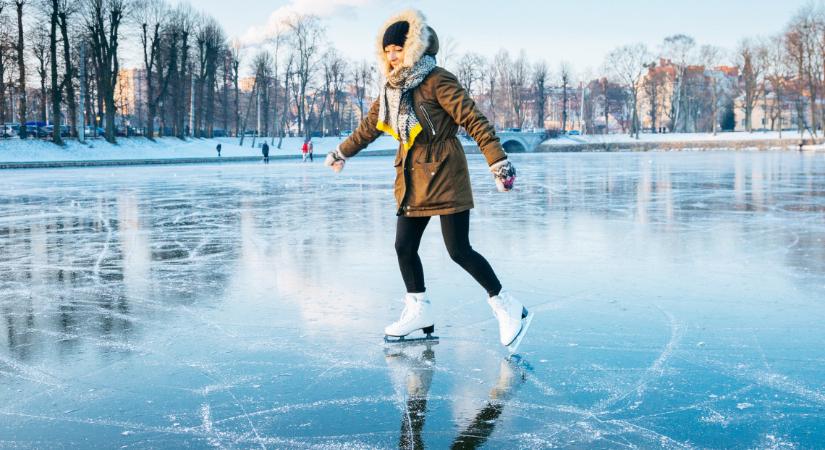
(679, 299)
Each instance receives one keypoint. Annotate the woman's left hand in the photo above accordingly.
(505, 175)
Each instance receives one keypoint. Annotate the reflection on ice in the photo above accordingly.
(678, 300)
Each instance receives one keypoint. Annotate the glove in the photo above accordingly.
(336, 160)
(505, 175)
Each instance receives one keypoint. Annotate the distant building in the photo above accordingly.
(130, 96)
(246, 84)
(657, 93)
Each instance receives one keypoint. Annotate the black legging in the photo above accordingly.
(456, 231)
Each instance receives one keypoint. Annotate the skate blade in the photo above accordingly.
(513, 347)
(405, 340)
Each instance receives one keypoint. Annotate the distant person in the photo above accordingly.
(309, 148)
(265, 151)
(304, 151)
(218, 148)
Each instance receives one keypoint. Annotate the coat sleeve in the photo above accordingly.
(365, 134)
(458, 104)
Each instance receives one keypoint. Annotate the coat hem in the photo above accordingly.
(435, 212)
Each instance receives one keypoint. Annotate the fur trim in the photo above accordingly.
(418, 39)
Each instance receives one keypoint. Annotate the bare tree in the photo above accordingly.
(447, 52)
(235, 57)
(305, 34)
(103, 20)
(468, 70)
(262, 67)
(513, 76)
(333, 71)
(276, 42)
(749, 60)
(6, 58)
(627, 64)
(39, 42)
(564, 77)
(21, 67)
(490, 83)
(654, 83)
(803, 38)
(362, 77)
(711, 57)
(66, 8)
(540, 74)
(181, 27)
(778, 73)
(152, 16)
(210, 41)
(339, 81)
(57, 91)
(679, 49)
(285, 111)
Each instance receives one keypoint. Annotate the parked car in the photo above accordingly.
(573, 133)
(10, 130)
(125, 131)
(38, 131)
(345, 133)
(48, 130)
(90, 131)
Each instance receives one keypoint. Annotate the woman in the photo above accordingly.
(422, 106)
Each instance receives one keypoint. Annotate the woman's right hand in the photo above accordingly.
(504, 174)
(336, 160)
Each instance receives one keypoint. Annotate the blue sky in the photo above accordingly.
(579, 32)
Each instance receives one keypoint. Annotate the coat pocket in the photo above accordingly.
(432, 186)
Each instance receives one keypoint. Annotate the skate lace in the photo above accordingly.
(500, 311)
(409, 312)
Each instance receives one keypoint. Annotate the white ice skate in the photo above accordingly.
(513, 319)
(417, 315)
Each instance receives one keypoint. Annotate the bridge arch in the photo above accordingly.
(514, 146)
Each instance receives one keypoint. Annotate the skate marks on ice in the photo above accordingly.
(225, 306)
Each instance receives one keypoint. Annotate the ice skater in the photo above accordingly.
(218, 148)
(265, 151)
(422, 106)
(306, 151)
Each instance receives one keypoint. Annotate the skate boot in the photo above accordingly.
(417, 315)
(513, 319)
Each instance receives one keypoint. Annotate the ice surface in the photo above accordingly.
(678, 300)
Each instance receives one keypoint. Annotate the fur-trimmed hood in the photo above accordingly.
(421, 40)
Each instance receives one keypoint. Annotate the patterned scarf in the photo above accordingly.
(396, 114)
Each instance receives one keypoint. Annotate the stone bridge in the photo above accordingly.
(520, 141)
(516, 141)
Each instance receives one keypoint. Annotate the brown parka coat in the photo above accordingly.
(432, 176)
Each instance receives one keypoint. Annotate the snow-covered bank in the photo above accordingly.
(137, 148)
(15, 153)
(665, 138)
(681, 142)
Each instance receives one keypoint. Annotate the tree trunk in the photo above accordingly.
(21, 69)
(68, 79)
(56, 89)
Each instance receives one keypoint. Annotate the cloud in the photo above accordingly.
(275, 23)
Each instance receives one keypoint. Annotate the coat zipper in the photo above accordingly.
(427, 116)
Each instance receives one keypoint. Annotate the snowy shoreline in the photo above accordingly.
(16, 154)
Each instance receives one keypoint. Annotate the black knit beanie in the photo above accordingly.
(396, 34)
